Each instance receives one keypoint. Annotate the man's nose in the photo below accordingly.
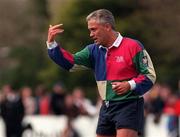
(91, 34)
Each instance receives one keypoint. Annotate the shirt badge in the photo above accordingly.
(145, 60)
(119, 59)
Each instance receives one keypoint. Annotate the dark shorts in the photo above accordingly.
(115, 115)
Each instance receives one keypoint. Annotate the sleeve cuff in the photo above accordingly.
(132, 84)
(51, 45)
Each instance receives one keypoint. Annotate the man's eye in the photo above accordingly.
(93, 30)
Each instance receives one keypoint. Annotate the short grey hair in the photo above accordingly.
(102, 16)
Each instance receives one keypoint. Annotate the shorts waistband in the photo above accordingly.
(107, 102)
(124, 100)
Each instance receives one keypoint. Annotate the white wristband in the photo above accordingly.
(132, 84)
(51, 45)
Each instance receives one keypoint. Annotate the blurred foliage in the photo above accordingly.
(23, 34)
(155, 23)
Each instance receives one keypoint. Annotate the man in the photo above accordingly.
(58, 96)
(12, 112)
(123, 71)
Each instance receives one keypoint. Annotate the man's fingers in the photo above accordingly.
(119, 91)
(56, 32)
(53, 31)
(52, 34)
(118, 87)
(115, 85)
(55, 28)
(58, 26)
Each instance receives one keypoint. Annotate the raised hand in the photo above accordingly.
(53, 31)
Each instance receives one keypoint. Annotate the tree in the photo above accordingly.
(23, 32)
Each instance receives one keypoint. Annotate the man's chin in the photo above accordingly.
(97, 43)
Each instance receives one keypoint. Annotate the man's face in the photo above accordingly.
(98, 32)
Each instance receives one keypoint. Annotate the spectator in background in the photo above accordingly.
(72, 112)
(69, 130)
(57, 99)
(42, 100)
(1, 96)
(99, 102)
(148, 108)
(1, 99)
(177, 107)
(85, 106)
(159, 96)
(70, 109)
(171, 111)
(28, 100)
(151, 98)
(12, 112)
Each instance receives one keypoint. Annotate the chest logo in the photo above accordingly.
(119, 59)
(145, 60)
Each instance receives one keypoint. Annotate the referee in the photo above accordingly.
(123, 71)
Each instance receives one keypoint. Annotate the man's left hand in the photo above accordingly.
(120, 87)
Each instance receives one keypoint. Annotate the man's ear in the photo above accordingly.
(108, 27)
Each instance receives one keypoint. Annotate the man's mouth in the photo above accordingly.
(95, 40)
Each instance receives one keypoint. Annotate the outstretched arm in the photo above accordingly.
(60, 56)
(68, 61)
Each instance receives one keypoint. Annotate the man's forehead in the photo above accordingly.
(93, 23)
